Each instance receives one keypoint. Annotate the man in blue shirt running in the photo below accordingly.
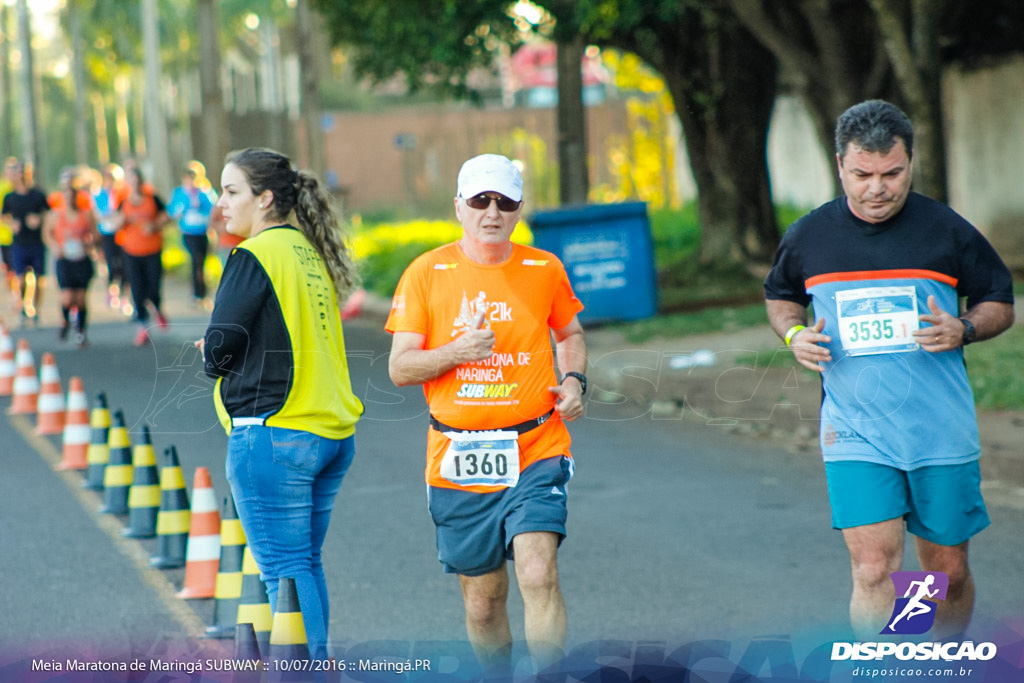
(886, 270)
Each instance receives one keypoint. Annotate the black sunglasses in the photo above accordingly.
(482, 202)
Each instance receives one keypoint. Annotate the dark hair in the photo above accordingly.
(874, 125)
(300, 192)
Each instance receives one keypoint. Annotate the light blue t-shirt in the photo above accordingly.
(191, 209)
(104, 200)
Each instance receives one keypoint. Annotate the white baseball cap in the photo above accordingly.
(490, 173)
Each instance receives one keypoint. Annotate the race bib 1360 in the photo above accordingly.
(482, 458)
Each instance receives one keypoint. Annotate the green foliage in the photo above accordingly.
(384, 250)
(685, 283)
(58, 147)
(385, 246)
(542, 190)
(991, 367)
(675, 234)
(381, 271)
(787, 214)
(440, 41)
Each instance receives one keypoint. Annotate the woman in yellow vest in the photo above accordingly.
(283, 392)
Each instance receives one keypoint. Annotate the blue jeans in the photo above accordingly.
(284, 483)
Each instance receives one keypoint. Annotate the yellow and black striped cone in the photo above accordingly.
(144, 494)
(254, 606)
(247, 649)
(98, 454)
(174, 517)
(227, 590)
(288, 633)
(117, 476)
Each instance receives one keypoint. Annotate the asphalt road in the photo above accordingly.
(678, 533)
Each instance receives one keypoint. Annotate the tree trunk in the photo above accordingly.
(844, 53)
(6, 124)
(213, 121)
(311, 107)
(918, 72)
(26, 90)
(572, 129)
(78, 76)
(156, 128)
(724, 89)
(102, 138)
(830, 53)
(122, 90)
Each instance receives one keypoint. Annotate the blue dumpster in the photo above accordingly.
(607, 251)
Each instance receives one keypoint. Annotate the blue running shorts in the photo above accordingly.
(475, 530)
(940, 503)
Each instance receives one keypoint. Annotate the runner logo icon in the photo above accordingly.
(914, 612)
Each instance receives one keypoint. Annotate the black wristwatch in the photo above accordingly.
(578, 375)
(970, 333)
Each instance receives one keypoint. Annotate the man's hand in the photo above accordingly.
(806, 346)
(945, 332)
(569, 403)
(476, 343)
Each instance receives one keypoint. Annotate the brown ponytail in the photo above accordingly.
(320, 224)
(300, 192)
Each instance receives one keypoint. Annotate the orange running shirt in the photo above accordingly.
(133, 237)
(524, 298)
(73, 231)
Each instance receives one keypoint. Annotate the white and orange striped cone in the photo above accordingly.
(76, 428)
(50, 406)
(26, 383)
(6, 363)
(202, 555)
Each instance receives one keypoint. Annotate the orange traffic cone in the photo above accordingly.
(26, 384)
(98, 454)
(6, 363)
(50, 409)
(354, 306)
(76, 428)
(203, 554)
